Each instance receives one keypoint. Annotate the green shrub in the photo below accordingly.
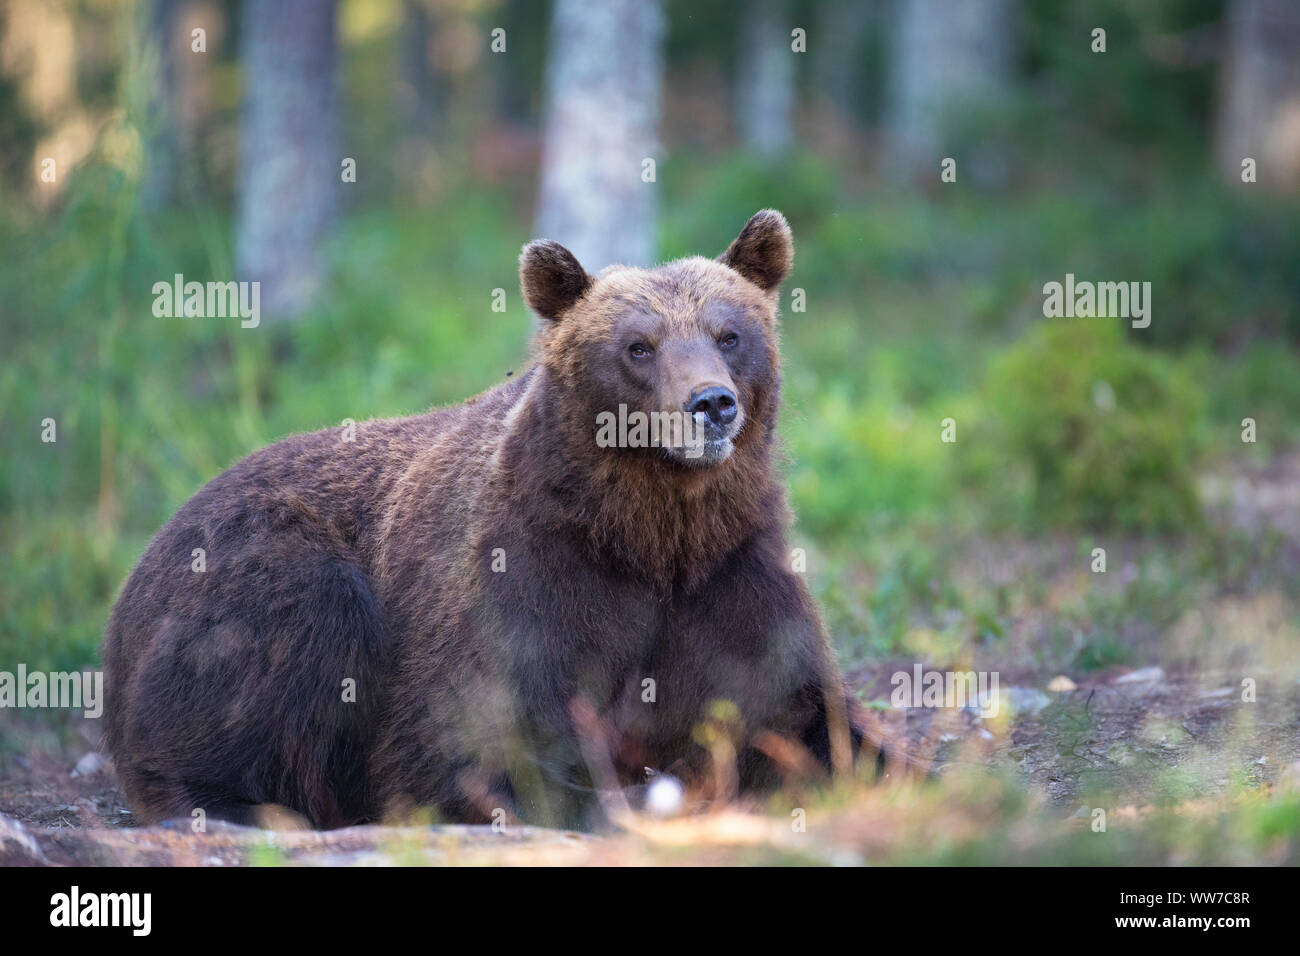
(1107, 430)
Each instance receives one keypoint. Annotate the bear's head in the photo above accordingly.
(679, 362)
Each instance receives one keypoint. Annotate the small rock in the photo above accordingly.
(89, 765)
(1025, 700)
(1221, 692)
(1142, 675)
(17, 847)
(1060, 684)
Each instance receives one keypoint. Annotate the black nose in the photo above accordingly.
(718, 403)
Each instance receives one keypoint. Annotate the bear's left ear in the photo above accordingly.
(764, 250)
(551, 278)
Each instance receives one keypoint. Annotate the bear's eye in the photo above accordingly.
(729, 341)
(639, 350)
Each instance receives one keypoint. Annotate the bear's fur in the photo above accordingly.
(482, 572)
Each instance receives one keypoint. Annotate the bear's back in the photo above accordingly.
(327, 492)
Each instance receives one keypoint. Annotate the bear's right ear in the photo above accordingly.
(551, 278)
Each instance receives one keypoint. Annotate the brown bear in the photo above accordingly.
(418, 615)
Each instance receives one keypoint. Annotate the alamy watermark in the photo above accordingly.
(75, 690)
(1086, 300)
(957, 689)
(651, 430)
(211, 300)
(74, 908)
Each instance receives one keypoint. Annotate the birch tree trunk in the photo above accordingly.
(604, 76)
(1259, 98)
(289, 170)
(947, 59)
(765, 82)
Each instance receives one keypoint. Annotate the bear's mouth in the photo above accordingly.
(709, 452)
(693, 440)
(707, 443)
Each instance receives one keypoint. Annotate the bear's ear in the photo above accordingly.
(551, 278)
(763, 251)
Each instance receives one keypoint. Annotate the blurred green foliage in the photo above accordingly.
(1106, 429)
(1155, 100)
(917, 309)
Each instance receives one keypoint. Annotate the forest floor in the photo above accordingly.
(1122, 734)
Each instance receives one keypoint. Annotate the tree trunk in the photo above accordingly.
(163, 153)
(1259, 99)
(289, 158)
(838, 74)
(179, 97)
(947, 59)
(418, 97)
(605, 69)
(765, 81)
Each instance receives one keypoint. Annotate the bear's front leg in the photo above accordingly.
(747, 651)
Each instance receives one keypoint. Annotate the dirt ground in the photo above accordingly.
(1117, 734)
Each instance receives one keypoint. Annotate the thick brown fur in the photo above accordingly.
(477, 569)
